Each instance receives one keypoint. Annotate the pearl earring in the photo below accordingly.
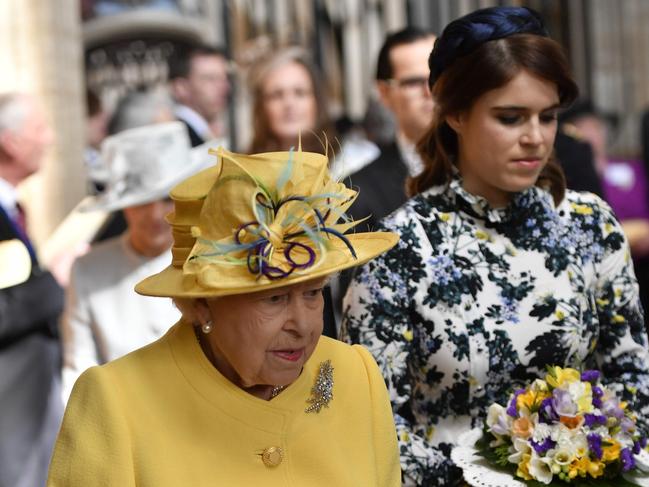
(206, 327)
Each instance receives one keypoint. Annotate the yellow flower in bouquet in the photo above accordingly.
(557, 376)
(611, 451)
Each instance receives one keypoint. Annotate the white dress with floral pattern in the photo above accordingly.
(474, 302)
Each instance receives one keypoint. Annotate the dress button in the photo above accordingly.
(272, 456)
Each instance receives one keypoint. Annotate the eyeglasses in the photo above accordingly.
(412, 84)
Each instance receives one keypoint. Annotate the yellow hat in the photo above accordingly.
(255, 222)
(15, 263)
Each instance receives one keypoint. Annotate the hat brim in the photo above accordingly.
(171, 282)
(199, 160)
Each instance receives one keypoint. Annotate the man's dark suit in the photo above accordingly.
(30, 365)
(576, 159)
(381, 186)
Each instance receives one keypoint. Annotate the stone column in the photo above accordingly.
(41, 52)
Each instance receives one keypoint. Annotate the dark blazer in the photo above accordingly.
(30, 364)
(381, 187)
(576, 159)
(381, 190)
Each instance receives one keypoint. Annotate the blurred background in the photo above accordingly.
(57, 49)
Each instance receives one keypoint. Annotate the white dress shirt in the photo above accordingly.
(8, 198)
(410, 155)
(195, 120)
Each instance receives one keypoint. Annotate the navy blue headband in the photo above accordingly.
(465, 34)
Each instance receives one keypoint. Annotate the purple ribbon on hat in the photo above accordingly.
(260, 250)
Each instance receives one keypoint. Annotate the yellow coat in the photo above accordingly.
(164, 416)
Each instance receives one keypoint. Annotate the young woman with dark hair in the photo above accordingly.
(500, 271)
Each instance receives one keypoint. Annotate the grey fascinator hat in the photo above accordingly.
(144, 163)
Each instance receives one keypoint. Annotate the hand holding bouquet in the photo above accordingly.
(567, 428)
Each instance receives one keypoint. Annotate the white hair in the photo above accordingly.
(140, 108)
(14, 108)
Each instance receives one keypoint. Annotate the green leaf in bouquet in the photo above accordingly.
(497, 455)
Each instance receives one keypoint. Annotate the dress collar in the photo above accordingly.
(479, 207)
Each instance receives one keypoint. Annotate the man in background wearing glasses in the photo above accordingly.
(402, 82)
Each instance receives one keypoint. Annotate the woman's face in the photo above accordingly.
(265, 338)
(289, 102)
(507, 137)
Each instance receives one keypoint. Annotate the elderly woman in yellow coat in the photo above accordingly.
(243, 390)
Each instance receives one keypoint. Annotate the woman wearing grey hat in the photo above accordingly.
(103, 318)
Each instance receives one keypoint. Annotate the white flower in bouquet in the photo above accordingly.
(540, 468)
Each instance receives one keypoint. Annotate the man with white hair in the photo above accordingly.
(30, 358)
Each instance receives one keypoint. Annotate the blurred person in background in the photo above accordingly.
(288, 101)
(104, 319)
(96, 130)
(135, 109)
(139, 108)
(577, 160)
(200, 85)
(289, 110)
(624, 182)
(402, 82)
(30, 355)
(290, 107)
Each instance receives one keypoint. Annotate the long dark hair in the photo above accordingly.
(490, 66)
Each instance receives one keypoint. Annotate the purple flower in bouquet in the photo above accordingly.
(639, 445)
(547, 414)
(511, 410)
(611, 408)
(563, 403)
(591, 420)
(628, 461)
(627, 425)
(597, 396)
(591, 376)
(542, 447)
(595, 445)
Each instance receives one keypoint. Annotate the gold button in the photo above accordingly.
(272, 456)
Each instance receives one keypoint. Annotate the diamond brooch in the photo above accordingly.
(322, 390)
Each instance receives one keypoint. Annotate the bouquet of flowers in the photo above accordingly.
(566, 429)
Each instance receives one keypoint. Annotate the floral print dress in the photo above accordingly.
(474, 302)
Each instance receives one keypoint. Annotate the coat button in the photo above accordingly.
(272, 456)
